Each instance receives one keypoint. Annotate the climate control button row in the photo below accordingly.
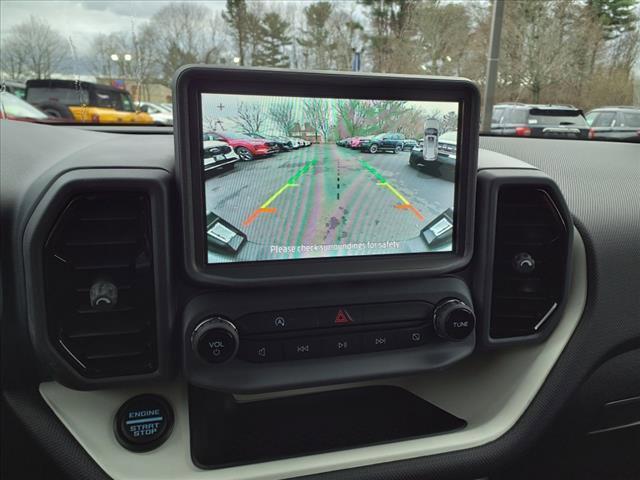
(336, 316)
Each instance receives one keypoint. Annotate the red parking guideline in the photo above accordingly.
(257, 212)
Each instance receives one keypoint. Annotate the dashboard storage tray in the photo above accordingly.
(225, 432)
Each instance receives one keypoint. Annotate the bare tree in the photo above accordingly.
(128, 55)
(103, 48)
(283, 115)
(33, 48)
(12, 62)
(411, 123)
(184, 35)
(351, 117)
(317, 115)
(209, 123)
(449, 122)
(144, 52)
(250, 118)
(442, 34)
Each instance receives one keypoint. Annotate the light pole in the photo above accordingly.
(127, 57)
(357, 47)
(492, 64)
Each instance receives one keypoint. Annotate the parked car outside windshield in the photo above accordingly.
(16, 108)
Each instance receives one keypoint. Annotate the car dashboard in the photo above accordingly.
(443, 407)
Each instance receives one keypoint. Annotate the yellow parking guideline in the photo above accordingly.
(275, 195)
(395, 192)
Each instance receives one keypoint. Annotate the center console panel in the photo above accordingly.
(277, 338)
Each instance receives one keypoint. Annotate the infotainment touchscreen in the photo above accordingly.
(287, 178)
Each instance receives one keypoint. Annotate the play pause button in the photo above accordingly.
(343, 345)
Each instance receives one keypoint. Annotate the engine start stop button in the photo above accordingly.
(143, 423)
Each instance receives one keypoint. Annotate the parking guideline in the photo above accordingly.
(406, 204)
(291, 182)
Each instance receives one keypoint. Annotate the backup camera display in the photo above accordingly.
(296, 178)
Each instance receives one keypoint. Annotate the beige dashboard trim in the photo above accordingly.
(491, 391)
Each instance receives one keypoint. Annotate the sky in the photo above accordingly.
(84, 18)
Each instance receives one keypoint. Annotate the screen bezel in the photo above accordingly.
(190, 82)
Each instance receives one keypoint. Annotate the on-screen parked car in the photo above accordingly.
(296, 142)
(344, 142)
(614, 123)
(160, 115)
(409, 144)
(84, 102)
(283, 144)
(548, 121)
(218, 157)
(447, 149)
(302, 142)
(246, 147)
(286, 142)
(355, 142)
(389, 142)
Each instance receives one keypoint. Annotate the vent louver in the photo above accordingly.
(102, 237)
(530, 260)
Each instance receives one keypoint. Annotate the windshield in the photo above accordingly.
(578, 53)
(65, 96)
(116, 100)
(631, 119)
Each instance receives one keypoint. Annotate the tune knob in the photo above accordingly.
(453, 320)
(215, 340)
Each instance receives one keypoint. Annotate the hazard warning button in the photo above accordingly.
(339, 315)
(342, 316)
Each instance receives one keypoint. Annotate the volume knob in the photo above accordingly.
(215, 340)
(453, 320)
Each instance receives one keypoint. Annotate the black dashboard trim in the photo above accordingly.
(192, 80)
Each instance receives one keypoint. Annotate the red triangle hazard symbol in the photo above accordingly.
(342, 317)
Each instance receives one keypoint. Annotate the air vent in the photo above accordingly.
(102, 240)
(530, 261)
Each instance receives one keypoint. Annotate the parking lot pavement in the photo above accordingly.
(327, 195)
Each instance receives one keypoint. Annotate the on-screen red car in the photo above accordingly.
(247, 148)
(356, 141)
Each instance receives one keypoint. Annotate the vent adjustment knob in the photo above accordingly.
(215, 340)
(103, 295)
(523, 263)
(453, 320)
